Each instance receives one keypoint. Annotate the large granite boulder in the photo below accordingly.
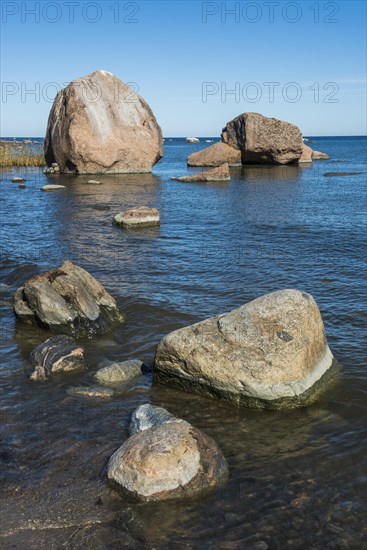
(263, 140)
(271, 353)
(66, 300)
(170, 459)
(215, 155)
(215, 174)
(59, 354)
(98, 124)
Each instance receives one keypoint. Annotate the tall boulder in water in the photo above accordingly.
(98, 124)
(263, 140)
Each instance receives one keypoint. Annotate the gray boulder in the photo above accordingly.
(269, 353)
(56, 355)
(146, 416)
(263, 140)
(66, 300)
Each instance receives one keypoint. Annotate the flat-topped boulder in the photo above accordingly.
(98, 124)
(66, 300)
(269, 353)
(215, 174)
(141, 216)
(169, 459)
(58, 354)
(263, 140)
(192, 140)
(215, 155)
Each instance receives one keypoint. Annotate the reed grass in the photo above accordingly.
(20, 154)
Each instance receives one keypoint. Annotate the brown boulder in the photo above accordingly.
(215, 155)
(98, 124)
(216, 174)
(263, 140)
(170, 459)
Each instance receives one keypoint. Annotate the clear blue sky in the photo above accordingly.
(176, 51)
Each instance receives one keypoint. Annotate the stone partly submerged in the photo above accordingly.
(215, 155)
(66, 300)
(269, 353)
(141, 216)
(306, 156)
(317, 155)
(192, 140)
(309, 155)
(263, 140)
(118, 372)
(52, 187)
(98, 124)
(58, 354)
(215, 174)
(165, 458)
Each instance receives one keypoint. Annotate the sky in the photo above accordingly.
(197, 63)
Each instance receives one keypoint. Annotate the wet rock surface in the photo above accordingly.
(59, 354)
(66, 300)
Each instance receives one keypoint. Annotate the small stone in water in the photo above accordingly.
(52, 187)
(95, 182)
(17, 180)
(22, 186)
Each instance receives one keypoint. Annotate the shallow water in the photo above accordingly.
(296, 478)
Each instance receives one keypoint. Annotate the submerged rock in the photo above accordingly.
(343, 174)
(141, 216)
(55, 355)
(66, 300)
(146, 416)
(98, 124)
(269, 353)
(216, 174)
(215, 155)
(90, 391)
(263, 140)
(94, 182)
(117, 373)
(168, 460)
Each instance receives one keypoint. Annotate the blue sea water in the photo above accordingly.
(297, 478)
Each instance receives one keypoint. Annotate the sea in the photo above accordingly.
(297, 478)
